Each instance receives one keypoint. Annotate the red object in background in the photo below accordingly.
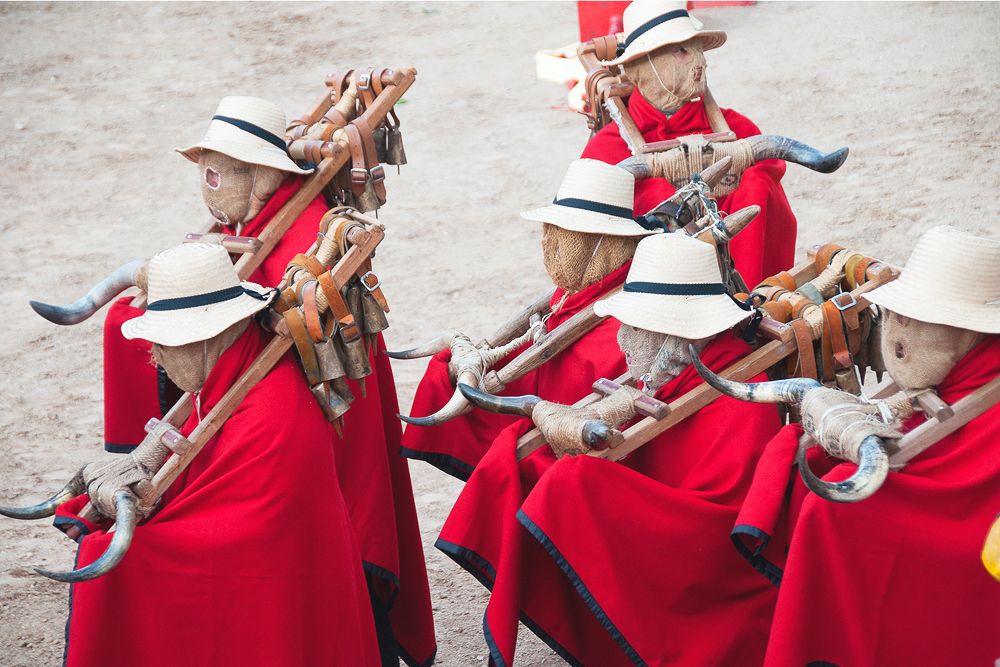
(598, 19)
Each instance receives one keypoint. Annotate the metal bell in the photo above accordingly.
(374, 317)
(356, 361)
(327, 354)
(379, 135)
(330, 402)
(340, 386)
(367, 201)
(394, 149)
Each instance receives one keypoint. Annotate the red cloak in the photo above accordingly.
(374, 479)
(894, 580)
(767, 245)
(251, 561)
(586, 584)
(457, 446)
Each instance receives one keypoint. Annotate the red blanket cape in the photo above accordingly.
(767, 245)
(251, 560)
(652, 577)
(374, 479)
(896, 578)
(457, 446)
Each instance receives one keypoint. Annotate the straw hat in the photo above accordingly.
(952, 277)
(650, 25)
(674, 287)
(248, 129)
(194, 294)
(595, 198)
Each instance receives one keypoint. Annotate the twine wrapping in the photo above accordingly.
(105, 478)
(563, 425)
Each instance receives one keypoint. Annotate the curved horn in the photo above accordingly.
(640, 166)
(598, 436)
(873, 468)
(439, 344)
(120, 280)
(505, 405)
(455, 407)
(773, 146)
(124, 530)
(713, 174)
(736, 222)
(776, 391)
(72, 489)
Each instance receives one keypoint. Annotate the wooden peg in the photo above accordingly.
(934, 407)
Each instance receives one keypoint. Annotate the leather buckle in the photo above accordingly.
(364, 82)
(377, 173)
(359, 176)
(370, 288)
(842, 307)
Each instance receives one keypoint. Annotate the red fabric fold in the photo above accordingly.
(457, 446)
(895, 578)
(374, 479)
(251, 560)
(767, 245)
(624, 563)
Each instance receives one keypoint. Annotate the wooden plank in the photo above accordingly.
(932, 430)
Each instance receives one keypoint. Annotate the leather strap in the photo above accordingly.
(345, 320)
(366, 92)
(377, 86)
(825, 254)
(359, 172)
(807, 355)
(838, 337)
(370, 282)
(337, 82)
(336, 120)
(826, 349)
(780, 311)
(303, 343)
(311, 312)
(302, 121)
(375, 170)
(860, 274)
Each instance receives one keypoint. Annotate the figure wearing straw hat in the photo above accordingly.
(252, 558)
(588, 238)
(664, 56)
(894, 577)
(628, 563)
(247, 178)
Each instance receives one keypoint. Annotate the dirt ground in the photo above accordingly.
(93, 97)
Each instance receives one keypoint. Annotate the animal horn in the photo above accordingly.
(873, 468)
(439, 344)
(120, 280)
(773, 146)
(737, 222)
(506, 405)
(776, 391)
(455, 407)
(713, 174)
(72, 489)
(640, 166)
(125, 520)
(598, 436)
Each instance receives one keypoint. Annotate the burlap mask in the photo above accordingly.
(919, 354)
(671, 75)
(655, 358)
(574, 260)
(235, 191)
(189, 366)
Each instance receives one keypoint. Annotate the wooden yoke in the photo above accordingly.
(782, 342)
(607, 94)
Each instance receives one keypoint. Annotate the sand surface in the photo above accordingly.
(93, 97)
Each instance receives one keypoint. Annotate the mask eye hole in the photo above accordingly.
(900, 351)
(212, 178)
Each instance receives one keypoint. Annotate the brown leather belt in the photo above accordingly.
(807, 355)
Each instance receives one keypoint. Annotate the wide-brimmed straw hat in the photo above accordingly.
(674, 287)
(248, 129)
(952, 277)
(650, 25)
(194, 294)
(594, 197)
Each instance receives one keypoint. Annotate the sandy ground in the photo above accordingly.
(93, 97)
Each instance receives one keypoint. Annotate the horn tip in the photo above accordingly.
(394, 355)
(834, 161)
(54, 314)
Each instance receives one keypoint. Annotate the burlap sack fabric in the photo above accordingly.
(697, 154)
(650, 25)
(236, 191)
(670, 76)
(575, 260)
(563, 425)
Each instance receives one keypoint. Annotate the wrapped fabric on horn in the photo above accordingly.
(120, 280)
(72, 489)
(873, 468)
(456, 406)
(439, 344)
(125, 520)
(775, 147)
(506, 405)
(776, 391)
